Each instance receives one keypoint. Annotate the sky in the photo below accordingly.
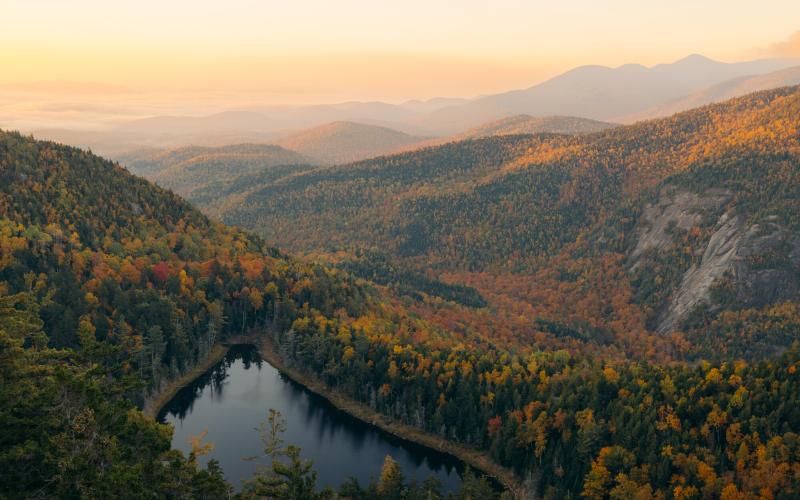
(324, 51)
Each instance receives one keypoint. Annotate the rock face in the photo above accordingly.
(759, 263)
(717, 261)
(768, 270)
(682, 210)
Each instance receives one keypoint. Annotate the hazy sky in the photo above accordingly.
(294, 51)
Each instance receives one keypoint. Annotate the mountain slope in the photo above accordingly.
(510, 204)
(109, 288)
(79, 206)
(726, 90)
(526, 124)
(207, 176)
(342, 142)
(594, 92)
(520, 125)
(198, 172)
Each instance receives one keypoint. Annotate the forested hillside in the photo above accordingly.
(520, 125)
(490, 188)
(201, 174)
(672, 217)
(110, 287)
(580, 250)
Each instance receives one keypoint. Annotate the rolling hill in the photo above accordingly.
(192, 171)
(344, 142)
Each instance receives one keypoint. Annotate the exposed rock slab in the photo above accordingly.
(735, 252)
(718, 260)
(682, 209)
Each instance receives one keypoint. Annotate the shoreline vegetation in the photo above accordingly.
(470, 456)
(156, 401)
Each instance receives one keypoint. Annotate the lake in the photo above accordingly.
(234, 396)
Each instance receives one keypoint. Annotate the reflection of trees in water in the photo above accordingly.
(249, 356)
(314, 416)
(326, 421)
(215, 378)
(320, 418)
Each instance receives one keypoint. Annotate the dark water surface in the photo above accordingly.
(233, 397)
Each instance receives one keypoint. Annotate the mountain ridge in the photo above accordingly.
(510, 203)
(726, 90)
(600, 92)
(593, 91)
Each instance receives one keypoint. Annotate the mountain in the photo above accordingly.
(694, 204)
(194, 172)
(592, 92)
(599, 92)
(111, 288)
(526, 124)
(342, 142)
(521, 125)
(277, 120)
(726, 90)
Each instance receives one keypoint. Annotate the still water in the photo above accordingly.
(233, 397)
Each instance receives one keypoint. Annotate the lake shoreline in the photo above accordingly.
(472, 457)
(477, 460)
(155, 403)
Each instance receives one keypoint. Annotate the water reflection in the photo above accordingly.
(233, 397)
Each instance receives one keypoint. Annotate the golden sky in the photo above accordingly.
(290, 52)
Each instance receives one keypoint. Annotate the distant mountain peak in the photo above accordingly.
(695, 58)
(632, 66)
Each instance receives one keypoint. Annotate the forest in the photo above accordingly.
(528, 221)
(517, 307)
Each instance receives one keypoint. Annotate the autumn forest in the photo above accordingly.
(589, 288)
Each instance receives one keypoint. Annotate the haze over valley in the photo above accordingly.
(618, 95)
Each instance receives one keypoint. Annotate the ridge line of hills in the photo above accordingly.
(624, 94)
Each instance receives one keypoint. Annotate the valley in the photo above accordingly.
(569, 330)
(402, 252)
(517, 207)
